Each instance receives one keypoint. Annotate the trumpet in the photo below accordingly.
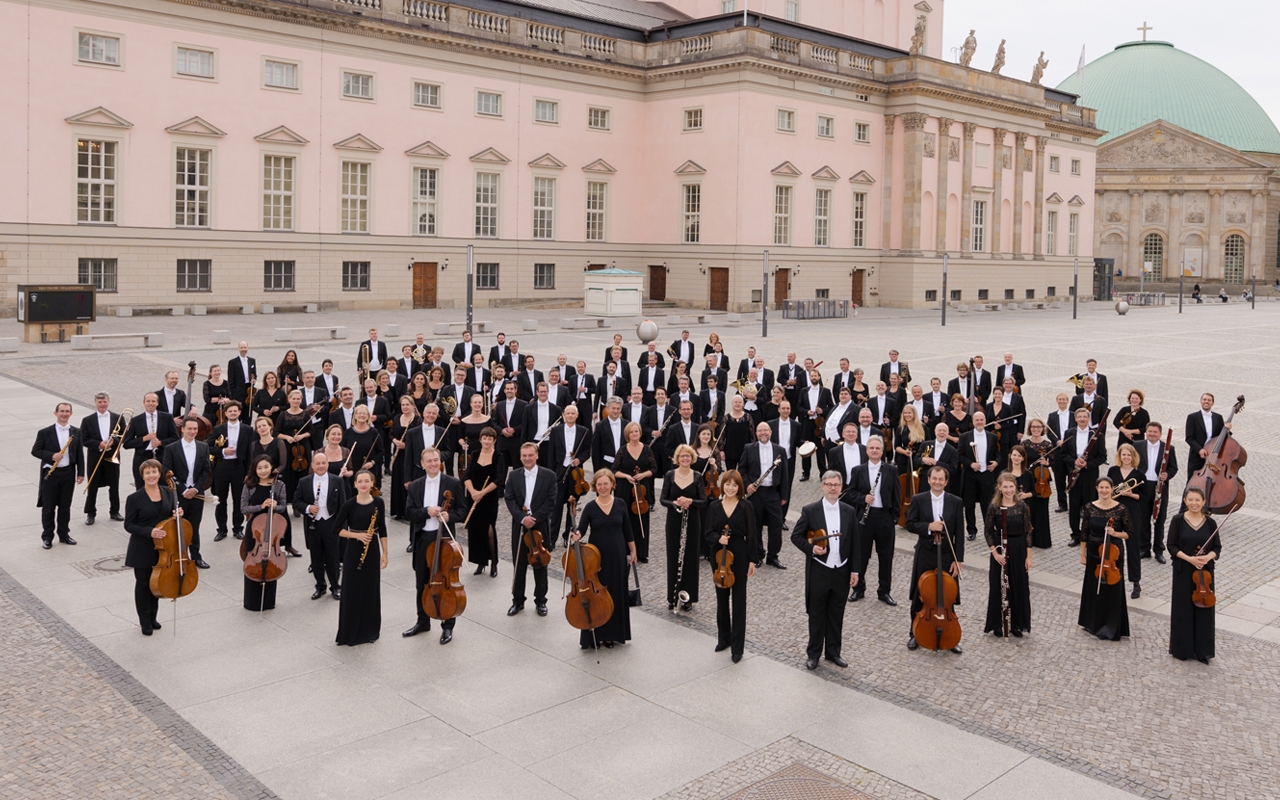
(1126, 486)
(1077, 380)
(114, 458)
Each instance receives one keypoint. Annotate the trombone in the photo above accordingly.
(116, 431)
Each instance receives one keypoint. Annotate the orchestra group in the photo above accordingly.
(442, 443)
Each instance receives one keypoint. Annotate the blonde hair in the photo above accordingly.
(681, 450)
(604, 472)
(914, 425)
(1127, 448)
(626, 430)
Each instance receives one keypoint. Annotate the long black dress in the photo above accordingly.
(482, 528)
(400, 466)
(368, 447)
(471, 433)
(290, 424)
(731, 603)
(738, 433)
(1191, 629)
(693, 533)
(211, 395)
(611, 534)
(257, 595)
(624, 464)
(1040, 536)
(1016, 568)
(264, 401)
(1137, 517)
(1103, 610)
(360, 609)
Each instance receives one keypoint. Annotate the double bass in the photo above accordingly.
(1219, 478)
(174, 574)
(203, 427)
(588, 604)
(936, 626)
(444, 597)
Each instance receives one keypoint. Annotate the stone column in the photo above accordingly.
(1038, 239)
(944, 166)
(886, 205)
(1019, 147)
(1257, 235)
(1213, 259)
(1173, 245)
(997, 196)
(1133, 254)
(966, 192)
(912, 175)
(1098, 195)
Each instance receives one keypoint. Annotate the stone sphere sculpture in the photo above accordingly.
(647, 331)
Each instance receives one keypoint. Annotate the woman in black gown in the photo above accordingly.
(1007, 532)
(270, 399)
(906, 440)
(858, 390)
(739, 430)
(469, 436)
(289, 372)
(268, 444)
(733, 512)
(366, 443)
(606, 524)
(419, 392)
(401, 426)
(634, 467)
(293, 427)
(957, 419)
(216, 395)
(1132, 421)
(703, 455)
(1191, 629)
(262, 494)
(682, 495)
(1035, 446)
(486, 481)
(361, 519)
(1126, 468)
(1103, 611)
(144, 510)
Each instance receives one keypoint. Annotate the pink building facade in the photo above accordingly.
(346, 153)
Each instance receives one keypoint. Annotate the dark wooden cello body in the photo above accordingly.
(444, 596)
(1219, 478)
(588, 604)
(936, 626)
(174, 575)
(267, 560)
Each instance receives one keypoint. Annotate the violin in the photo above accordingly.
(578, 477)
(539, 555)
(174, 575)
(1108, 553)
(711, 479)
(1044, 481)
(722, 577)
(443, 597)
(1219, 478)
(936, 626)
(639, 497)
(588, 605)
(267, 561)
(1202, 595)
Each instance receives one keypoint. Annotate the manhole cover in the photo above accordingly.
(113, 564)
(798, 782)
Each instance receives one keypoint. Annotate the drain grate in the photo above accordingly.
(97, 567)
(798, 782)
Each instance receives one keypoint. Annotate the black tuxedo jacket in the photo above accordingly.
(825, 403)
(330, 383)
(240, 461)
(794, 425)
(968, 454)
(560, 450)
(1099, 388)
(514, 362)
(704, 405)
(399, 385)
(497, 353)
(545, 497)
(752, 469)
(629, 415)
(927, 412)
(860, 486)
(683, 350)
(623, 371)
(850, 415)
(722, 379)
(881, 407)
(1097, 455)
(527, 384)
(339, 417)
(381, 408)
(485, 377)
(1095, 414)
(920, 514)
(621, 388)
(407, 366)
(416, 513)
(839, 381)
(674, 435)
(652, 423)
(1014, 371)
(835, 460)
(175, 460)
(165, 430)
(949, 458)
(1171, 467)
(414, 444)
(884, 372)
(179, 402)
(1196, 437)
(1058, 423)
(305, 495)
(531, 418)
(813, 517)
(558, 395)
(46, 447)
(319, 394)
(643, 360)
(464, 351)
(578, 382)
(461, 395)
(603, 450)
(377, 353)
(788, 371)
(956, 386)
(659, 381)
(608, 354)
(91, 434)
(509, 444)
(237, 382)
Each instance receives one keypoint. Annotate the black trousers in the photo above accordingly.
(422, 573)
(979, 487)
(770, 513)
(828, 593)
(322, 543)
(228, 480)
(108, 477)
(1083, 491)
(559, 525)
(731, 616)
(193, 512)
(56, 492)
(807, 462)
(1060, 473)
(877, 532)
(520, 559)
(146, 603)
(1156, 528)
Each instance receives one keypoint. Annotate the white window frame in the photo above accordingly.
(357, 276)
(692, 115)
(862, 132)
(691, 212)
(490, 209)
(791, 10)
(279, 271)
(192, 200)
(96, 211)
(1051, 233)
(540, 276)
(728, 6)
(428, 204)
(831, 126)
(785, 120)
(978, 232)
(859, 220)
(822, 217)
(211, 52)
(1073, 233)
(207, 274)
(482, 270)
(607, 117)
(496, 114)
(540, 103)
(100, 273)
(355, 199)
(439, 90)
(360, 73)
(278, 203)
(784, 199)
(267, 61)
(87, 62)
(544, 207)
(1075, 166)
(1055, 164)
(597, 207)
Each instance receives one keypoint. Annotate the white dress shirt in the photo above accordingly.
(530, 480)
(1153, 461)
(233, 437)
(1207, 416)
(321, 483)
(833, 419)
(865, 434)
(766, 461)
(570, 433)
(852, 458)
(873, 474)
(1082, 441)
(431, 497)
(980, 449)
(189, 452)
(104, 425)
(428, 435)
(544, 417)
(937, 501)
(63, 434)
(784, 435)
(615, 427)
(832, 513)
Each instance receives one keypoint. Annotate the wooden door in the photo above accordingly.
(657, 282)
(594, 267)
(424, 284)
(857, 286)
(781, 286)
(719, 288)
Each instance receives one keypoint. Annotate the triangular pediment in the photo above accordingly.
(600, 166)
(427, 149)
(547, 161)
(196, 126)
(281, 135)
(826, 174)
(1053, 198)
(490, 156)
(100, 116)
(923, 6)
(359, 142)
(1161, 145)
(786, 169)
(862, 176)
(690, 168)
(1075, 201)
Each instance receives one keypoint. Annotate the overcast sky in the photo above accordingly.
(1236, 36)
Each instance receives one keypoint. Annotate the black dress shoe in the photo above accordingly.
(738, 657)
(493, 570)
(221, 535)
(541, 608)
(804, 478)
(838, 661)
(972, 536)
(318, 593)
(1060, 510)
(446, 636)
(957, 650)
(201, 563)
(786, 527)
(1137, 591)
(720, 648)
(1202, 659)
(912, 644)
(686, 606)
(775, 563)
(336, 592)
(1145, 555)
(409, 549)
(855, 596)
(88, 520)
(811, 663)
(479, 570)
(1160, 559)
(47, 544)
(293, 553)
(418, 627)
(515, 609)
(66, 540)
(237, 534)
(155, 625)
(146, 630)
(887, 599)
(115, 517)
(1074, 542)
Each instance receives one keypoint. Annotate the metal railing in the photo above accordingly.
(815, 309)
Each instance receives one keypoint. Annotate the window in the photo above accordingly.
(355, 197)
(191, 195)
(544, 276)
(782, 215)
(1153, 254)
(195, 63)
(277, 276)
(1073, 226)
(826, 127)
(862, 97)
(978, 236)
(486, 276)
(489, 104)
(1053, 164)
(95, 181)
(822, 218)
(279, 74)
(487, 206)
(862, 132)
(98, 49)
(355, 276)
(1051, 291)
(859, 219)
(424, 200)
(193, 274)
(728, 6)
(957, 295)
(597, 200)
(786, 121)
(931, 295)
(99, 273)
(277, 193)
(693, 119)
(426, 95)
(1031, 294)
(1075, 166)
(546, 111)
(544, 208)
(598, 119)
(983, 294)
(792, 10)
(1051, 234)
(822, 294)
(358, 85)
(1008, 294)
(692, 213)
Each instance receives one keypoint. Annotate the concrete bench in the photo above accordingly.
(84, 341)
(9, 344)
(574, 323)
(1033, 304)
(987, 307)
(695, 319)
(221, 337)
(291, 334)
(963, 309)
(447, 328)
(529, 325)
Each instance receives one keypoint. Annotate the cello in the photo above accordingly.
(266, 561)
(1219, 478)
(588, 605)
(936, 626)
(443, 597)
(174, 574)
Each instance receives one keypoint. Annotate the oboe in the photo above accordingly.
(1004, 571)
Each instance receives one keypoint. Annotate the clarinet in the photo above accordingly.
(866, 512)
(1004, 571)
(681, 594)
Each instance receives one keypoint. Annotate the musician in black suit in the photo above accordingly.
(464, 350)
(939, 452)
(711, 401)
(327, 379)
(635, 410)
(1099, 380)
(1086, 455)
(611, 384)
(557, 390)
(478, 377)
(650, 378)
(397, 384)
(981, 380)
(683, 429)
(1010, 370)
(617, 345)
(1058, 426)
(791, 379)
(1091, 399)
(173, 401)
(846, 455)
(507, 417)
(657, 415)
(1151, 453)
(376, 352)
(893, 365)
(785, 432)
(962, 384)
(531, 496)
(61, 468)
(582, 391)
(935, 513)
(651, 349)
(842, 379)
(498, 353)
(344, 415)
(148, 433)
(527, 380)
(923, 406)
(618, 355)
(830, 568)
(142, 519)
(188, 460)
(570, 447)
(815, 401)
(539, 416)
(313, 392)
(606, 438)
(101, 438)
(980, 460)
(406, 364)
(424, 500)
(877, 503)
(230, 445)
(242, 372)
(883, 409)
(1201, 427)
(769, 498)
(711, 370)
(420, 438)
(681, 349)
(318, 498)
(513, 362)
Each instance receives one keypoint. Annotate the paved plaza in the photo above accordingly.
(230, 703)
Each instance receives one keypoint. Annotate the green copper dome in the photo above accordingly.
(1141, 82)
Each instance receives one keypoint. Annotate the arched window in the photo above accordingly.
(1153, 254)
(1233, 259)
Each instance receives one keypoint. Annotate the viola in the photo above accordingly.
(722, 577)
(1044, 481)
(1108, 554)
(539, 555)
(711, 480)
(1202, 595)
(639, 497)
(174, 575)
(444, 597)
(577, 477)
(936, 626)
(588, 604)
(267, 560)
(1219, 478)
